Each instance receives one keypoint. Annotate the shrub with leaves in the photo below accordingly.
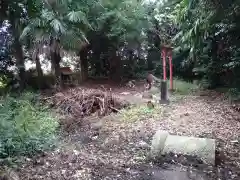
(25, 127)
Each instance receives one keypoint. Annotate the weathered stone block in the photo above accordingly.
(164, 143)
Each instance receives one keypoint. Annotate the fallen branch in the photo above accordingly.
(114, 109)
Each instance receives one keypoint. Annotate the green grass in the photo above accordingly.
(26, 127)
(183, 87)
(140, 112)
(179, 86)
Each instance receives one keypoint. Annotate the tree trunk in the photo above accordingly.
(98, 64)
(131, 62)
(18, 54)
(35, 57)
(115, 67)
(56, 58)
(52, 67)
(40, 72)
(3, 10)
(17, 47)
(84, 64)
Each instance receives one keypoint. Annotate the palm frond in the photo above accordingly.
(41, 36)
(47, 15)
(26, 31)
(76, 16)
(72, 40)
(79, 17)
(58, 26)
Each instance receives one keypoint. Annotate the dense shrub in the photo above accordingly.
(25, 126)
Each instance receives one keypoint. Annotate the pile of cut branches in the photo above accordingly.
(80, 102)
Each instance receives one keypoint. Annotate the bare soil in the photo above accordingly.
(109, 148)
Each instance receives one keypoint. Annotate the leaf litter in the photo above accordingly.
(116, 149)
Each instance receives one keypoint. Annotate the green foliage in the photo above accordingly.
(126, 20)
(58, 19)
(72, 20)
(233, 94)
(204, 34)
(141, 112)
(182, 87)
(209, 31)
(26, 127)
(3, 82)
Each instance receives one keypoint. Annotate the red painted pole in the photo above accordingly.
(170, 70)
(164, 63)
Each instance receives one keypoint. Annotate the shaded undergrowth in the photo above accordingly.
(26, 126)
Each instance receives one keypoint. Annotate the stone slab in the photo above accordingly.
(164, 143)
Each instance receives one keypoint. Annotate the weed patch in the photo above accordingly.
(183, 87)
(141, 112)
(26, 127)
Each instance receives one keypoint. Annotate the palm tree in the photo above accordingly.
(59, 25)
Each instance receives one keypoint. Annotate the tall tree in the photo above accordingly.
(121, 24)
(13, 12)
(59, 25)
(210, 29)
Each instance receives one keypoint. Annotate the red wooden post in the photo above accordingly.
(164, 63)
(170, 69)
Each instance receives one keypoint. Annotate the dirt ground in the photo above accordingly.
(109, 148)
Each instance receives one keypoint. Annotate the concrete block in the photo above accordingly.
(164, 143)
